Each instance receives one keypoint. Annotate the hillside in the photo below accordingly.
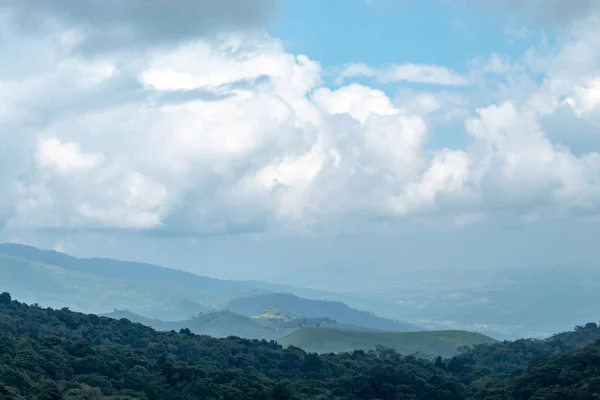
(138, 273)
(97, 285)
(431, 344)
(486, 365)
(59, 354)
(226, 323)
(572, 376)
(54, 286)
(55, 279)
(340, 312)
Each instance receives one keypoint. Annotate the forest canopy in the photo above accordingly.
(59, 354)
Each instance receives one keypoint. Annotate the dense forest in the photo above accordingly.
(58, 354)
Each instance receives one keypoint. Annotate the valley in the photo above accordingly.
(168, 299)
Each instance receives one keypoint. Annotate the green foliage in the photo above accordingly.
(427, 343)
(48, 354)
(572, 376)
(68, 355)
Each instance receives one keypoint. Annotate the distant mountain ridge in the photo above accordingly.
(61, 354)
(99, 285)
(127, 270)
(338, 311)
(225, 324)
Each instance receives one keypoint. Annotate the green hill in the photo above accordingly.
(338, 311)
(60, 354)
(216, 324)
(226, 323)
(432, 343)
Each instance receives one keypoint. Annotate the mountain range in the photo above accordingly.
(154, 293)
(60, 354)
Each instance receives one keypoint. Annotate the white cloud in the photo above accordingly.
(233, 133)
(585, 99)
(355, 70)
(358, 101)
(141, 205)
(448, 174)
(420, 73)
(65, 157)
(407, 72)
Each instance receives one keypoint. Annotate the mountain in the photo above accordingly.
(506, 303)
(174, 309)
(140, 273)
(225, 323)
(338, 311)
(55, 286)
(60, 354)
(430, 344)
(216, 324)
(99, 285)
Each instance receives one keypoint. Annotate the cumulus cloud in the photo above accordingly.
(232, 133)
(407, 72)
(65, 157)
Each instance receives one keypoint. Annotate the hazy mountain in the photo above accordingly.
(227, 323)
(502, 303)
(99, 285)
(340, 312)
(140, 273)
(51, 285)
(71, 355)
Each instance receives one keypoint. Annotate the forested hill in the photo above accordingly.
(575, 375)
(58, 354)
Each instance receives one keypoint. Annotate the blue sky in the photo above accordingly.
(383, 32)
(337, 32)
(245, 139)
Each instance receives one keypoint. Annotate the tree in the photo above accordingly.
(5, 298)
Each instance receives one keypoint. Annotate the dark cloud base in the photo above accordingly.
(122, 23)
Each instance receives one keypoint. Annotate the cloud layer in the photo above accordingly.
(222, 130)
(103, 25)
(541, 12)
(407, 72)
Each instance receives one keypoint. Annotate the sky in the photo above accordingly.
(245, 140)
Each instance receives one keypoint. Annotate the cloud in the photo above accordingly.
(104, 25)
(407, 72)
(540, 12)
(233, 133)
(65, 157)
